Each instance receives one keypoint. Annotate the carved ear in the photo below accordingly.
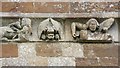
(107, 24)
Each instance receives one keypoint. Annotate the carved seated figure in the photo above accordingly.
(93, 30)
(19, 30)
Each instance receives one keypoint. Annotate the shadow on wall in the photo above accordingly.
(118, 21)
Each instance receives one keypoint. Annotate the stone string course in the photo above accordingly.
(60, 9)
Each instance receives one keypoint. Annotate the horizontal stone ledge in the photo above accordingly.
(59, 7)
(82, 41)
(62, 15)
(59, 0)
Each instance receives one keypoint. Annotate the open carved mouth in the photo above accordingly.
(50, 36)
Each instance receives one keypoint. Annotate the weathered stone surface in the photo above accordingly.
(59, 49)
(100, 50)
(61, 61)
(72, 50)
(14, 62)
(62, 15)
(50, 29)
(26, 57)
(9, 50)
(17, 31)
(94, 7)
(26, 7)
(27, 50)
(51, 7)
(111, 61)
(38, 61)
(60, 7)
(9, 7)
(48, 50)
(87, 62)
(38, 7)
(67, 27)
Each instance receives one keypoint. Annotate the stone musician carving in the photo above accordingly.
(92, 30)
(17, 31)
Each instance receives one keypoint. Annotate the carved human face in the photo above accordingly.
(92, 25)
(26, 21)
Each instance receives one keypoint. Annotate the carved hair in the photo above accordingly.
(27, 21)
(92, 19)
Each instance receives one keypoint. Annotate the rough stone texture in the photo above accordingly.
(67, 9)
(94, 7)
(12, 6)
(99, 55)
(72, 54)
(72, 50)
(100, 50)
(51, 7)
(47, 50)
(59, 49)
(38, 7)
(26, 7)
(87, 62)
(60, 7)
(61, 61)
(8, 50)
(27, 57)
(14, 62)
(109, 61)
(97, 61)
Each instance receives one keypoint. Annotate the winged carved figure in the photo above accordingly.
(92, 30)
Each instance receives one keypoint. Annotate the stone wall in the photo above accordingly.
(59, 54)
(65, 52)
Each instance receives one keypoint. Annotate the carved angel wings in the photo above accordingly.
(105, 25)
(93, 26)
